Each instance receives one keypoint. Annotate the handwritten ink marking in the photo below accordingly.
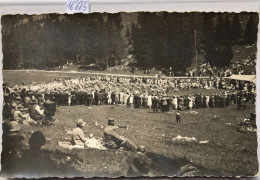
(74, 6)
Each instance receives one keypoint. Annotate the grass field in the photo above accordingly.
(228, 153)
(11, 76)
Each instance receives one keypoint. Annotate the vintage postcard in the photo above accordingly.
(129, 95)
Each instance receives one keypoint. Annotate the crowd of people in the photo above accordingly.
(241, 68)
(40, 100)
(36, 103)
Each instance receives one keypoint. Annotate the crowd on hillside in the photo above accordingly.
(240, 68)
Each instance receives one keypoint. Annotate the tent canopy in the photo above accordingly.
(251, 78)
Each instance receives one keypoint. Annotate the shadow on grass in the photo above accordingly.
(165, 166)
(42, 164)
(17, 160)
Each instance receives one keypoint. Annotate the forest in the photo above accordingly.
(159, 39)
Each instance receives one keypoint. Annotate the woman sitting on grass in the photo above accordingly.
(78, 138)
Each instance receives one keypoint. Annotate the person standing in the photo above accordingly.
(109, 98)
(175, 103)
(164, 103)
(207, 100)
(99, 98)
(96, 97)
(190, 102)
(154, 104)
(131, 101)
(69, 98)
(113, 97)
(121, 97)
(149, 101)
(105, 97)
(186, 102)
(117, 97)
(181, 103)
(178, 117)
(203, 100)
(125, 98)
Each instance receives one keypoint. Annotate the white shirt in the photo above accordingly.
(38, 110)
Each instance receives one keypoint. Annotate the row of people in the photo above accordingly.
(38, 109)
(110, 90)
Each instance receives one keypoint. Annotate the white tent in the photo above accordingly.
(251, 78)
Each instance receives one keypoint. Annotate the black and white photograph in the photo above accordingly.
(133, 94)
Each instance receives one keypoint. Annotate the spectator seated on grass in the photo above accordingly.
(114, 141)
(13, 146)
(35, 112)
(78, 139)
(49, 111)
(16, 114)
(37, 162)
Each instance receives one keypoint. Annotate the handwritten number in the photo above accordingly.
(77, 5)
(85, 6)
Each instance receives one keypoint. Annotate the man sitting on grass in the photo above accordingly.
(114, 141)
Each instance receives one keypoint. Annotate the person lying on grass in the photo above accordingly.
(114, 141)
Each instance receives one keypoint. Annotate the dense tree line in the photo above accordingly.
(46, 41)
(163, 39)
(167, 39)
(225, 33)
(158, 39)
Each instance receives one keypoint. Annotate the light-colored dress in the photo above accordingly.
(149, 102)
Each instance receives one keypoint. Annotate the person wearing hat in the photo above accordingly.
(77, 133)
(34, 110)
(6, 110)
(36, 161)
(114, 141)
(13, 144)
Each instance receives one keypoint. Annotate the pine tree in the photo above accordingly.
(218, 50)
(235, 29)
(250, 35)
(227, 29)
(164, 40)
(220, 29)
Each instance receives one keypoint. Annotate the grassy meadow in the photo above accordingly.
(228, 153)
